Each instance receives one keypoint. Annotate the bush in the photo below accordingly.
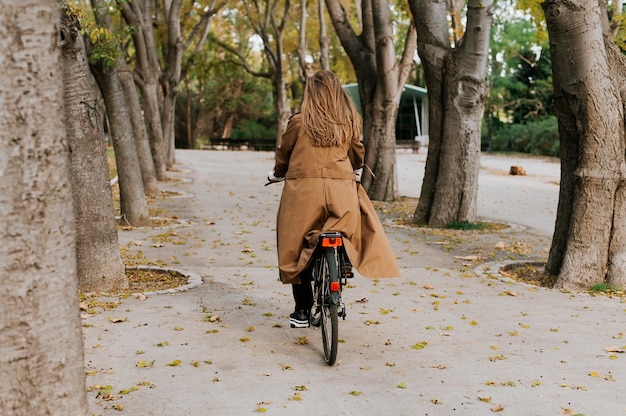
(537, 138)
(250, 129)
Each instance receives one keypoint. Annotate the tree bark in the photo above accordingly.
(324, 59)
(456, 82)
(41, 348)
(133, 206)
(381, 77)
(140, 134)
(588, 73)
(99, 263)
(138, 14)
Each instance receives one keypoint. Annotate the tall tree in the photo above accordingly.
(103, 64)
(589, 75)
(456, 81)
(268, 20)
(99, 263)
(138, 15)
(381, 76)
(41, 347)
(173, 69)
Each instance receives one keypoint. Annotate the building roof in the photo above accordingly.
(409, 92)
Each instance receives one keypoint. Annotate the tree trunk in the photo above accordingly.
(381, 76)
(142, 142)
(138, 14)
(588, 72)
(99, 263)
(140, 134)
(456, 82)
(41, 348)
(171, 79)
(324, 60)
(133, 205)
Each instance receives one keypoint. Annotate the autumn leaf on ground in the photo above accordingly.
(117, 320)
(174, 363)
(299, 388)
(419, 345)
(145, 364)
(613, 348)
(497, 409)
(472, 258)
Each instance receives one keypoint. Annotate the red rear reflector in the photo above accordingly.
(332, 242)
(334, 286)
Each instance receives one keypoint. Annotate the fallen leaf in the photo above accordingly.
(497, 409)
(361, 300)
(439, 366)
(613, 348)
(473, 258)
(500, 245)
(116, 320)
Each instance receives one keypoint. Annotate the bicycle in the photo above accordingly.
(331, 269)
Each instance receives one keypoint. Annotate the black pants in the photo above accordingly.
(303, 292)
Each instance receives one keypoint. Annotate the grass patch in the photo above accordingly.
(605, 289)
(466, 225)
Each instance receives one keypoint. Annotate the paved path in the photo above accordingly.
(441, 340)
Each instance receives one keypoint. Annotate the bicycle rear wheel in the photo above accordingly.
(330, 322)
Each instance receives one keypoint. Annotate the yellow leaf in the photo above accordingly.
(419, 345)
(593, 374)
(402, 385)
(174, 363)
(355, 393)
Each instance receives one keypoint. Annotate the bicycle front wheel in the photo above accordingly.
(330, 321)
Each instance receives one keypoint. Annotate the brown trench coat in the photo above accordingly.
(321, 194)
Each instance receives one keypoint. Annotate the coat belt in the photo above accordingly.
(321, 173)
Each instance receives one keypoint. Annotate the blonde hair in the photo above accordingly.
(328, 113)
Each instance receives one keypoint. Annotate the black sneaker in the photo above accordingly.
(299, 319)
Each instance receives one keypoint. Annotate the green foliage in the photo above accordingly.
(539, 137)
(105, 47)
(251, 129)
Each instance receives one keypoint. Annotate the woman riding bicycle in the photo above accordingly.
(317, 158)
